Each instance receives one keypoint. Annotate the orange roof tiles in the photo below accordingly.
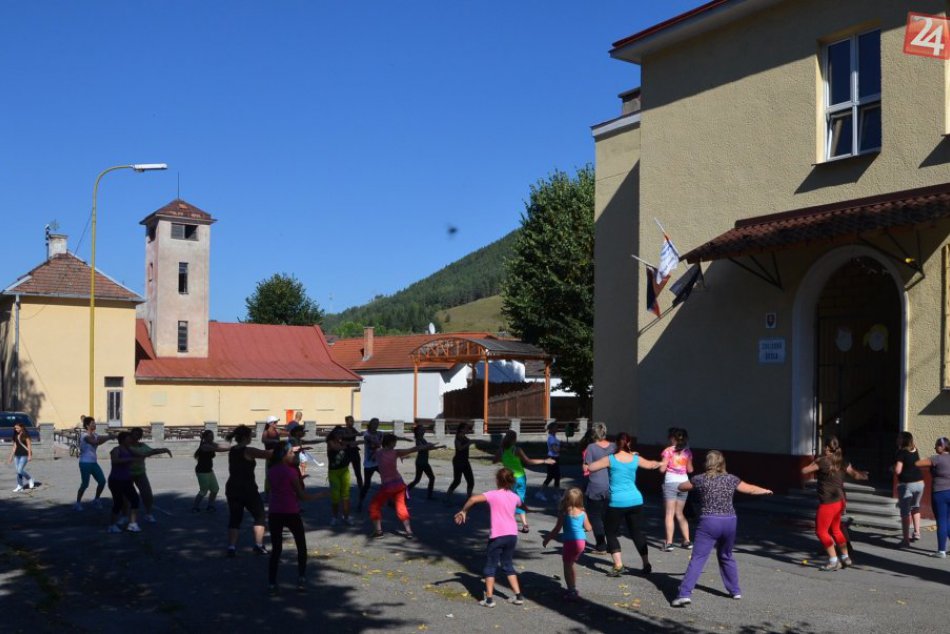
(65, 275)
(247, 352)
(827, 223)
(180, 210)
(390, 352)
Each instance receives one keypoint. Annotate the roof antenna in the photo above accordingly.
(178, 195)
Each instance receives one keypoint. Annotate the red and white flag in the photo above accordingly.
(669, 260)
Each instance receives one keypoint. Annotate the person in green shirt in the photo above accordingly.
(514, 458)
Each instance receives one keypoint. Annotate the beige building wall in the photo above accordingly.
(54, 356)
(228, 404)
(732, 128)
(616, 205)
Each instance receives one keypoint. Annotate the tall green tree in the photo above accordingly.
(282, 299)
(548, 294)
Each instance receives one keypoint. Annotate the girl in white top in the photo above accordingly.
(89, 441)
(676, 463)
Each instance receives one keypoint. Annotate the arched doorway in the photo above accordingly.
(858, 348)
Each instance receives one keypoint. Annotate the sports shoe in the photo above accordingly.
(831, 566)
(571, 595)
(846, 562)
(114, 528)
(348, 521)
(18, 489)
(122, 521)
(516, 600)
(321, 464)
(616, 571)
(334, 521)
(686, 545)
(940, 554)
(667, 548)
(149, 518)
(77, 506)
(737, 596)
(488, 602)
(32, 484)
(915, 537)
(680, 602)
(260, 549)
(301, 584)
(647, 568)
(97, 503)
(133, 527)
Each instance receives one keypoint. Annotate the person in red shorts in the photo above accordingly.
(393, 487)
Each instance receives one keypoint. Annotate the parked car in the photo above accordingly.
(9, 419)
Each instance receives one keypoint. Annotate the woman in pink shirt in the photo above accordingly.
(286, 491)
(393, 487)
(503, 538)
(676, 463)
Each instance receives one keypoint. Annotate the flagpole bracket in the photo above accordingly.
(772, 277)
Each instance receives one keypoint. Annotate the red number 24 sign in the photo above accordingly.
(927, 35)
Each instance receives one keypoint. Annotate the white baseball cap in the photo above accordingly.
(272, 419)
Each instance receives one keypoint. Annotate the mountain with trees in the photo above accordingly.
(478, 275)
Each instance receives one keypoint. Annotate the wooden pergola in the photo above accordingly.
(473, 350)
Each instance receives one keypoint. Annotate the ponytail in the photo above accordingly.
(833, 447)
(624, 442)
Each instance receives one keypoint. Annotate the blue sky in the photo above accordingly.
(335, 141)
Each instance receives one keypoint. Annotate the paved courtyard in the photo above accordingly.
(61, 571)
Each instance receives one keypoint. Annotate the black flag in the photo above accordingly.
(684, 286)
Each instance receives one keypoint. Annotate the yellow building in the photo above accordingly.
(802, 157)
(168, 364)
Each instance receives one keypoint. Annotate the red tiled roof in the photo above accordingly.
(666, 24)
(247, 352)
(389, 352)
(827, 223)
(65, 275)
(179, 209)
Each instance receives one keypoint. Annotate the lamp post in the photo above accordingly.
(138, 167)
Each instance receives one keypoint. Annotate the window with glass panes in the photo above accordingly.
(852, 73)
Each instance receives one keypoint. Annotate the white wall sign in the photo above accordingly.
(772, 350)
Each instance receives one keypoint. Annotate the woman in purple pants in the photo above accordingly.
(717, 526)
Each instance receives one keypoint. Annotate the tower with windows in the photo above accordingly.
(177, 263)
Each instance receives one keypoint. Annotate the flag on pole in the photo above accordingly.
(682, 287)
(669, 260)
(653, 290)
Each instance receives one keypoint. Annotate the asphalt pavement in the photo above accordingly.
(61, 571)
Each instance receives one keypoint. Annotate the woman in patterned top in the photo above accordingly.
(717, 525)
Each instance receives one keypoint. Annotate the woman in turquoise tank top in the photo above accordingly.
(625, 501)
(511, 455)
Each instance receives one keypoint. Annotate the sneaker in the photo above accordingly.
(904, 543)
(846, 562)
(410, 536)
(348, 521)
(260, 549)
(376, 534)
(32, 484)
(647, 569)
(831, 566)
(516, 600)
(616, 571)
(737, 596)
(915, 537)
(97, 503)
(680, 602)
(150, 518)
(687, 545)
(321, 464)
(301, 584)
(940, 554)
(114, 528)
(133, 528)
(231, 552)
(18, 489)
(571, 595)
(334, 521)
(667, 548)
(488, 602)
(77, 506)
(122, 521)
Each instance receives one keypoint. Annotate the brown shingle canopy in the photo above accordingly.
(827, 223)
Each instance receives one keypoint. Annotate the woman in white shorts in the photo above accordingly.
(676, 463)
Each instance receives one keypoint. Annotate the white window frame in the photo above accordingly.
(114, 404)
(854, 105)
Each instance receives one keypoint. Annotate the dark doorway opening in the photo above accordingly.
(858, 348)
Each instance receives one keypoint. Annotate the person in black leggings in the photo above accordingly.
(241, 488)
(460, 463)
(422, 459)
(286, 492)
(372, 441)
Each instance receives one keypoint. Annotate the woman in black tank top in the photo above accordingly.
(241, 489)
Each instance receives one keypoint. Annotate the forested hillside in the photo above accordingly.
(479, 274)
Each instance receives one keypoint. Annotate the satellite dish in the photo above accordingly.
(431, 328)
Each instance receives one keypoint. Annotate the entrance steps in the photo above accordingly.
(868, 506)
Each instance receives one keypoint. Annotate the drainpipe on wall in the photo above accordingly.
(16, 354)
(353, 391)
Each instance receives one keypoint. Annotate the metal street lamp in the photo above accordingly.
(138, 167)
